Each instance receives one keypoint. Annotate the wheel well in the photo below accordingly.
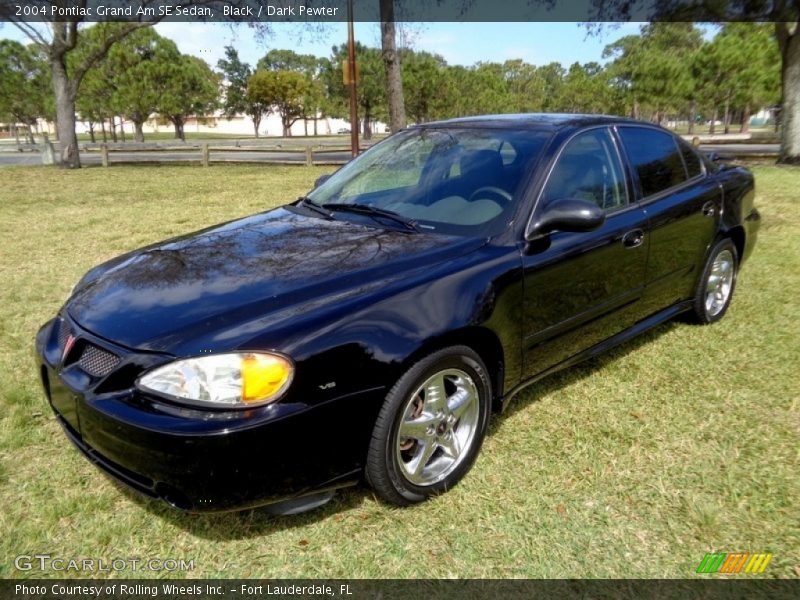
(483, 341)
(736, 235)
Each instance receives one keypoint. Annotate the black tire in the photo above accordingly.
(461, 372)
(704, 309)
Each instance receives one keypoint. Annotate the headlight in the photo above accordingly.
(237, 380)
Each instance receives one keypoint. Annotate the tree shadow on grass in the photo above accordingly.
(259, 522)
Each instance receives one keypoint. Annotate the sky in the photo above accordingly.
(459, 43)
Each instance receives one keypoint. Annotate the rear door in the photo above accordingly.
(581, 288)
(683, 206)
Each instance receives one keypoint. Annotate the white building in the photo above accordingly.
(270, 126)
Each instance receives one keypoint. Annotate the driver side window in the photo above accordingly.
(588, 168)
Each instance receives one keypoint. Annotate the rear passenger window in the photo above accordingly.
(655, 157)
(690, 159)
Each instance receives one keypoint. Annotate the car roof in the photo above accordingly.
(547, 121)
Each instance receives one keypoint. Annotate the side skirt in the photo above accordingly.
(600, 348)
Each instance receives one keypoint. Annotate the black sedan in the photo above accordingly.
(369, 330)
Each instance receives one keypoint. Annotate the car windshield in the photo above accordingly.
(456, 180)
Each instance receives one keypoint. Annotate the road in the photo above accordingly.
(743, 150)
(93, 158)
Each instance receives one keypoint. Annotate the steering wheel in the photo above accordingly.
(490, 192)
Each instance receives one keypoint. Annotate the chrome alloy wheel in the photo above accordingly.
(438, 427)
(720, 283)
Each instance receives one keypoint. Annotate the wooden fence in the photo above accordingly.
(307, 153)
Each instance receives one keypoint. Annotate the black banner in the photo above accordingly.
(321, 11)
(360, 589)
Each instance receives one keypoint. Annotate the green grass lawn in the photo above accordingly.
(682, 442)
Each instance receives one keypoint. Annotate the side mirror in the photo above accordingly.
(567, 214)
(321, 179)
(718, 158)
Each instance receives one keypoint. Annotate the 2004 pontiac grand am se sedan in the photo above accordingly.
(368, 330)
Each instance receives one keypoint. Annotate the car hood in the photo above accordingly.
(196, 285)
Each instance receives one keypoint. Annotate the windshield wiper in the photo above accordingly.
(309, 203)
(373, 211)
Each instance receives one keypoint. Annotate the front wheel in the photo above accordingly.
(430, 428)
(717, 283)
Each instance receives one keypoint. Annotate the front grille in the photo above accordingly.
(63, 333)
(97, 362)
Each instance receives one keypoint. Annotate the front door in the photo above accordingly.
(581, 288)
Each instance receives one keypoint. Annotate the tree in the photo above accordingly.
(96, 97)
(585, 89)
(748, 51)
(235, 74)
(23, 86)
(283, 91)
(392, 67)
(288, 60)
(525, 86)
(477, 89)
(192, 88)
(58, 39)
(57, 42)
(425, 86)
(653, 69)
(785, 16)
(310, 67)
(371, 85)
(144, 71)
(551, 77)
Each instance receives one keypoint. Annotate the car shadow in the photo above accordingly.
(229, 526)
(587, 368)
(258, 522)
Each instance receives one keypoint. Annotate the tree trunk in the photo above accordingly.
(138, 132)
(726, 121)
(16, 132)
(103, 129)
(692, 115)
(178, 122)
(91, 132)
(256, 122)
(713, 127)
(305, 126)
(315, 125)
(65, 113)
(113, 125)
(745, 128)
(790, 110)
(122, 129)
(367, 124)
(391, 64)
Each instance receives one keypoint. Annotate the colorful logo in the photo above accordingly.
(735, 562)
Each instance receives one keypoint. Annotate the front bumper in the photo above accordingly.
(200, 460)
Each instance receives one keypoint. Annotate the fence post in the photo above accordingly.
(205, 158)
(309, 156)
(104, 154)
(48, 151)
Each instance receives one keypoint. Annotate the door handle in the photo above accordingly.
(632, 239)
(709, 210)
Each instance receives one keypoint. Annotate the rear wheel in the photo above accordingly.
(716, 285)
(430, 428)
